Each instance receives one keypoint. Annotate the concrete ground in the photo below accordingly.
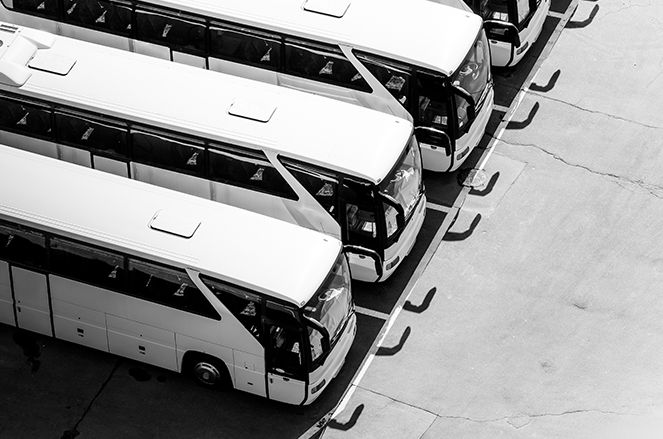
(546, 322)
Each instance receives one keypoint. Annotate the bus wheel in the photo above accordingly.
(209, 372)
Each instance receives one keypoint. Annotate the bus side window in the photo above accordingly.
(89, 134)
(44, 8)
(245, 46)
(396, 79)
(183, 33)
(104, 15)
(25, 118)
(243, 305)
(87, 264)
(22, 246)
(248, 169)
(168, 152)
(322, 63)
(359, 214)
(324, 189)
(169, 287)
(284, 343)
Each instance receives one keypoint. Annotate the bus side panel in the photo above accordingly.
(249, 373)
(38, 146)
(171, 180)
(74, 155)
(141, 342)
(6, 299)
(80, 325)
(115, 167)
(93, 36)
(241, 70)
(31, 292)
(251, 200)
(188, 59)
(150, 49)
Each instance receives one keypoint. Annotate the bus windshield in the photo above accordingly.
(473, 76)
(330, 306)
(404, 185)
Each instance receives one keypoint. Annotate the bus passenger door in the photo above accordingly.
(284, 356)
(6, 299)
(32, 308)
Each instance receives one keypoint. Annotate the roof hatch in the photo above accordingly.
(254, 110)
(175, 223)
(333, 8)
(60, 65)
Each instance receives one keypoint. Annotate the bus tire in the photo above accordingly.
(208, 371)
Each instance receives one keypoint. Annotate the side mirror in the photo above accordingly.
(502, 31)
(434, 137)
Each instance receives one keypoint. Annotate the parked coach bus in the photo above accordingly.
(234, 298)
(330, 166)
(415, 59)
(512, 25)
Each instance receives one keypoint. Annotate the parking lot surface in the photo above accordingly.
(528, 308)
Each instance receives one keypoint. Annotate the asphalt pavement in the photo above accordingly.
(545, 322)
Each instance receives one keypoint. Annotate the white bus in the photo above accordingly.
(415, 59)
(330, 166)
(512, 25)
(234, 298)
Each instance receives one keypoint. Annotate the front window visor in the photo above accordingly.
(330, 306)
(472, 77)
(404, 185)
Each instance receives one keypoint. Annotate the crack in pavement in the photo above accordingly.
(602, 113)
(542, 95)
(652, 189)
(509, 419)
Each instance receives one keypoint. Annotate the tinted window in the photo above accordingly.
(22, 246)
(87, 133)
(324, 189)
(322, 63)
(243, 305)
(396, 79)
(182, 33)
(25, 118)
(166, 152)
(246, 47)
(168, 287)
(46, 8)
(247, 169)
(99, 14)
(87, 264)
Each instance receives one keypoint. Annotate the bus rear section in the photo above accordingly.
(232, 298)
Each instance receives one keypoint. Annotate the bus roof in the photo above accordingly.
(249, 249)
(333, 134)
(421, 32)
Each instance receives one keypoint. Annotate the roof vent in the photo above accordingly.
(333, 8)
(60, 65)
(175, 223)
(254, 110)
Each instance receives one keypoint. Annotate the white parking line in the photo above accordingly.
(501, 108)
(438, 207)
(554, 14)
(371, 313)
